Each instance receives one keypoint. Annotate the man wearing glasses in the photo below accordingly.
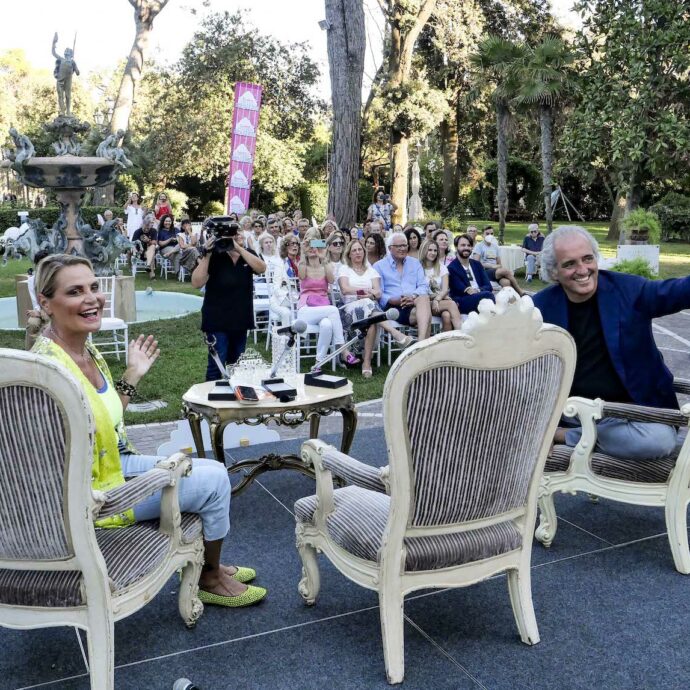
(532, 246)
(404, 286)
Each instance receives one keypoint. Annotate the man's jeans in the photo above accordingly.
(625, 439)
(229, 346)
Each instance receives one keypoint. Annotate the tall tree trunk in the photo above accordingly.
(145, 11)
(346, 41)
(502, 120)
(617, 213)
(546, 123)
(449, 147)
(405, 30)
(634, 195)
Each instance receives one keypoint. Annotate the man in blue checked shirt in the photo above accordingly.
(404, 286)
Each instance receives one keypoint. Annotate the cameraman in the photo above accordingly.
(227, 270)
(382, 209)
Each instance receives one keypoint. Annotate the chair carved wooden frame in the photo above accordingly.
(457, 502)
(56, 568)
(659, 483)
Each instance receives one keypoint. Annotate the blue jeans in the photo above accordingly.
(229, 346)
(206, 491)
(625, 439)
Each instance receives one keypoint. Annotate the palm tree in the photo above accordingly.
(544, 78)
(494, 64)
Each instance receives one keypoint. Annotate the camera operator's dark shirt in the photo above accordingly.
(228, 300)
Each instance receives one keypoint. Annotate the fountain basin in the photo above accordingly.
(68, 172)
(149, 307)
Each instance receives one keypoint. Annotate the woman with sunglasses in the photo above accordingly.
(289, 253)
(257, 229)
(436, 274)
(314, 305)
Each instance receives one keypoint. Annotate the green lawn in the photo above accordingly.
(183, 359)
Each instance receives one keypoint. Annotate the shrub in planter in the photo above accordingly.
(635, 267)
(642, 226)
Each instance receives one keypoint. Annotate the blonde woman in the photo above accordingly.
(70, 297)
(437, 278)
(269, 252)
(314, 306)
(360, 287)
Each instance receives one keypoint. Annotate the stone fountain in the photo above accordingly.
(69, 175)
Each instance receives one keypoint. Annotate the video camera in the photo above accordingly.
(223, 228)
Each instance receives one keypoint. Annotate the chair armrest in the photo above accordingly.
(681, 386)
(352, 471)
(639, 413)
(164, 474)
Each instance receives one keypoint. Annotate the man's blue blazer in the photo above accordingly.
(627, 305)
(458, 281)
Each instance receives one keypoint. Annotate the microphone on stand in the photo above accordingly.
(295, 328)
(363, 324)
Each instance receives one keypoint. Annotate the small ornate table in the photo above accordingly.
(310, 405)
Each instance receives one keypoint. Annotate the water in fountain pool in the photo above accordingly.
(151, 305)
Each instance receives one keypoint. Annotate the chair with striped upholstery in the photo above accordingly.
(664, 482)
(457, 502)
(56, 568)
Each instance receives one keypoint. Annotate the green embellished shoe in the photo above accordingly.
(243, 574)
(252, 595)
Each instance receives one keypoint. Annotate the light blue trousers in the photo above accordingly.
(206, 491)
(625, 439)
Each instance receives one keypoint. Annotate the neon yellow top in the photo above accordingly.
(112, 402)
(106, 469)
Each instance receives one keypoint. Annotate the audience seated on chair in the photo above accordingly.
(314, 306)
(610, 316)
(145, 241)
(488, 254)
(187, 242)
(168, 246)
(404, 286)
(437, 279)
(532, 246)
(69, 295)
(467, 279)
(360, 287)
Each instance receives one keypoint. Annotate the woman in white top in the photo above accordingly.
(269, 252)
(335, 245)
(437, 278)
(360, 287)
(135, 214)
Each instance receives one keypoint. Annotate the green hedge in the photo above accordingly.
(9, 217)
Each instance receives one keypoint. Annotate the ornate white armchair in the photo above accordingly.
(663, 482)
(56, 568)
(468, 419)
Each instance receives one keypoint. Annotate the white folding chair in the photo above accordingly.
(113, 336)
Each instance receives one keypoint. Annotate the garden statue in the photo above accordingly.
(108, 148)
(415, 211)
(65, 67)
(69, 175)
(24, 147)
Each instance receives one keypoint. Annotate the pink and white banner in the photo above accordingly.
(245, 122)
